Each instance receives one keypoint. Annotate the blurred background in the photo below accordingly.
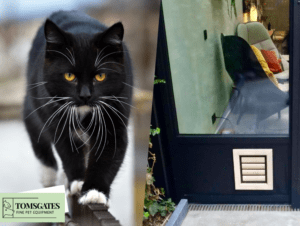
(19, 22)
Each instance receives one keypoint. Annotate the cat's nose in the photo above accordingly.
(85, 93)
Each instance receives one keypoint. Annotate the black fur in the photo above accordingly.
(66, 33)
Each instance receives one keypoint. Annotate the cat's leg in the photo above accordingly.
(73, 163)
(43, 151)
(102, 170)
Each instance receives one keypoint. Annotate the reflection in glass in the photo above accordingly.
(258, 93)
(237, 80)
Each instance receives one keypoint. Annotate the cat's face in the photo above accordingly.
(84, 67)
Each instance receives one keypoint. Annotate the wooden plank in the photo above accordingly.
(92, 214)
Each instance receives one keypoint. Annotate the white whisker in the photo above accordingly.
(66, 110)
(119, 101)
(105, 133)
(98, 55)
(72, 56)
(35, 87)
(42, 98)
(62, 54)
(84, 130)
(51, 118)
(70, 132)
(99, 129)
(101, 68)
(99, 61)
(107, 97)
(92, 131)
(73, 115)
(131, 86)
(117, 115)
(113, 108)
(49, 102)
(110, 62)
(59, 112)
(38, 83)
(114, 133)
(78, 121)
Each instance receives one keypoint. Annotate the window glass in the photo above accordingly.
(229, 64)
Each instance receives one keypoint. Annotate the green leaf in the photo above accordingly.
(162, 208)
(154, 132)
(146, 215)
(163, 213)
(157, 81)
(163, 191)
(148, 203)
(153, 209)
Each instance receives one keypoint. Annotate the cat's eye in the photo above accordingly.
(100, 77)
(69, 77)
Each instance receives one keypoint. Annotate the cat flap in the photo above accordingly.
(113, 35)
(54, 34)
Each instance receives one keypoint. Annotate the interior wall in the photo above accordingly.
(278, 15)
(200, 82)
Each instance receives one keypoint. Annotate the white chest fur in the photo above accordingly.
(82, 135)
(83, 110)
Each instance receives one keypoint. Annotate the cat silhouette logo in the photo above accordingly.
(7, 211)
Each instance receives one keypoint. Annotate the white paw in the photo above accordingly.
(75, 187)
(93, 196)
(48, 176)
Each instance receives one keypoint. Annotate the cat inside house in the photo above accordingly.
(78, 100)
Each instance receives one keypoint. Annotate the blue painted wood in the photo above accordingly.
(295, 103)
(179, 213)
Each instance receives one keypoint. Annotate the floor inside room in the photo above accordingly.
(19, 170)
(247, 125)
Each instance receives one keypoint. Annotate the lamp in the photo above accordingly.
(246, 17)
(253, 13)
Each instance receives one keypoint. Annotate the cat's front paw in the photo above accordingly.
(75, 187)
(93, 196)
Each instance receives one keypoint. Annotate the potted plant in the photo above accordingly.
(158, 210)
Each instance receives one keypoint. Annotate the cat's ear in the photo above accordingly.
(53, 34)
(113, 35)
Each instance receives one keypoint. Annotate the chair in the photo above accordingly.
(257, 94)
(254, 33)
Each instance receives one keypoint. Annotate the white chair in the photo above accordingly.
(256, 34)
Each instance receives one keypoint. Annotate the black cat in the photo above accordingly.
(78, 100)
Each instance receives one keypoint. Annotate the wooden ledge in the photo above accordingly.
(92, 214)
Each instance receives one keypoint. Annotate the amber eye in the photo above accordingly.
(69, 77)
(100, 77)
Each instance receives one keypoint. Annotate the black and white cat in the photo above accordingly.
(79, 90)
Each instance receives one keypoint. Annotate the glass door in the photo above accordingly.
(230, 96)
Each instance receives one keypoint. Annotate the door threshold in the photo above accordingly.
(241, 207)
